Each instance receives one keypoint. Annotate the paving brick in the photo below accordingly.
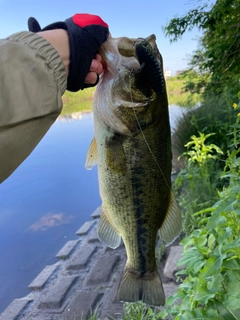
(84, 303)
(39, 282)
(85, 227)
(81, 257)
(169, 289)
(67, 249)
(111, 305)
(93, 237)
(96, 214)
(170, 267)
(114, 311)
(68, 297)
(56, 294)
(102, 269)
(16, 309)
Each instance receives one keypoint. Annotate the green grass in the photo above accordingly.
(78, 101)
(177, 96)
(83, 99)
(131, 311)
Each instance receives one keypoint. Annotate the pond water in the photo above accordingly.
(45, 201)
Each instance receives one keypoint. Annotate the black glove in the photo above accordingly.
(86, 34)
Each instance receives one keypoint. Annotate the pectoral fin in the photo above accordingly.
(92, 156)
(107, 233)
(172, 224)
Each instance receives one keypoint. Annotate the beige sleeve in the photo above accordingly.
(32, 81)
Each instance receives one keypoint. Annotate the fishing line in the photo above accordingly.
(143, 135)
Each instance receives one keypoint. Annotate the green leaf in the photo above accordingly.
(203, 295)
(191, 257)
(211, 241)
(200, 314)
(213, 265)
(233, 264)
(234, 288)
(215, 283)
(232, 303)
(236, 313)
(226, 313)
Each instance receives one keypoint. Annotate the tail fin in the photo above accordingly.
(148, 288)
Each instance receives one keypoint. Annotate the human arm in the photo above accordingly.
(34, 76)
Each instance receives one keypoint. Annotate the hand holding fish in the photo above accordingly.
(95, 70)
(77, 40)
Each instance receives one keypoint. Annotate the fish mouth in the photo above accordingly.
(150, 66)
(142, 58)
(133, 68)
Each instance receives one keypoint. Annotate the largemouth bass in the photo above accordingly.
(132, 147)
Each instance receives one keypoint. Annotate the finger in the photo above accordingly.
(91, 77)
(96, 66)
(98, 57)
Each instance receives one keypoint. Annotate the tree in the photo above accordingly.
(219, 52)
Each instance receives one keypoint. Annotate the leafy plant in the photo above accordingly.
(196, 185)
(213, 115)
(212, 263)
(211, 256)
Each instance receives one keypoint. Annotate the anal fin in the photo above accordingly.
(107, 233)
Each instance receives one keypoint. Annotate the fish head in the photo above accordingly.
(132, 80)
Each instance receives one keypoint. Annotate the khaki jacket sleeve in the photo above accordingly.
(32, 81)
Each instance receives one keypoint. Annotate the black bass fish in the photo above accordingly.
(132, 147)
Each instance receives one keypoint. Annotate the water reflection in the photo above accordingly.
(76, 115)
(44, 202)
(50, 220)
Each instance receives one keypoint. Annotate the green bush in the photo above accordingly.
(213, 115)
(212, 262)
(196, 185)
(211, 256)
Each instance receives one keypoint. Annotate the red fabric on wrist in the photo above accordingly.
(85, 19)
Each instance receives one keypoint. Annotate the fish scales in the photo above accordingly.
(132, 147)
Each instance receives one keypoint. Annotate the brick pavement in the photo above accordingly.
(86, 276)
